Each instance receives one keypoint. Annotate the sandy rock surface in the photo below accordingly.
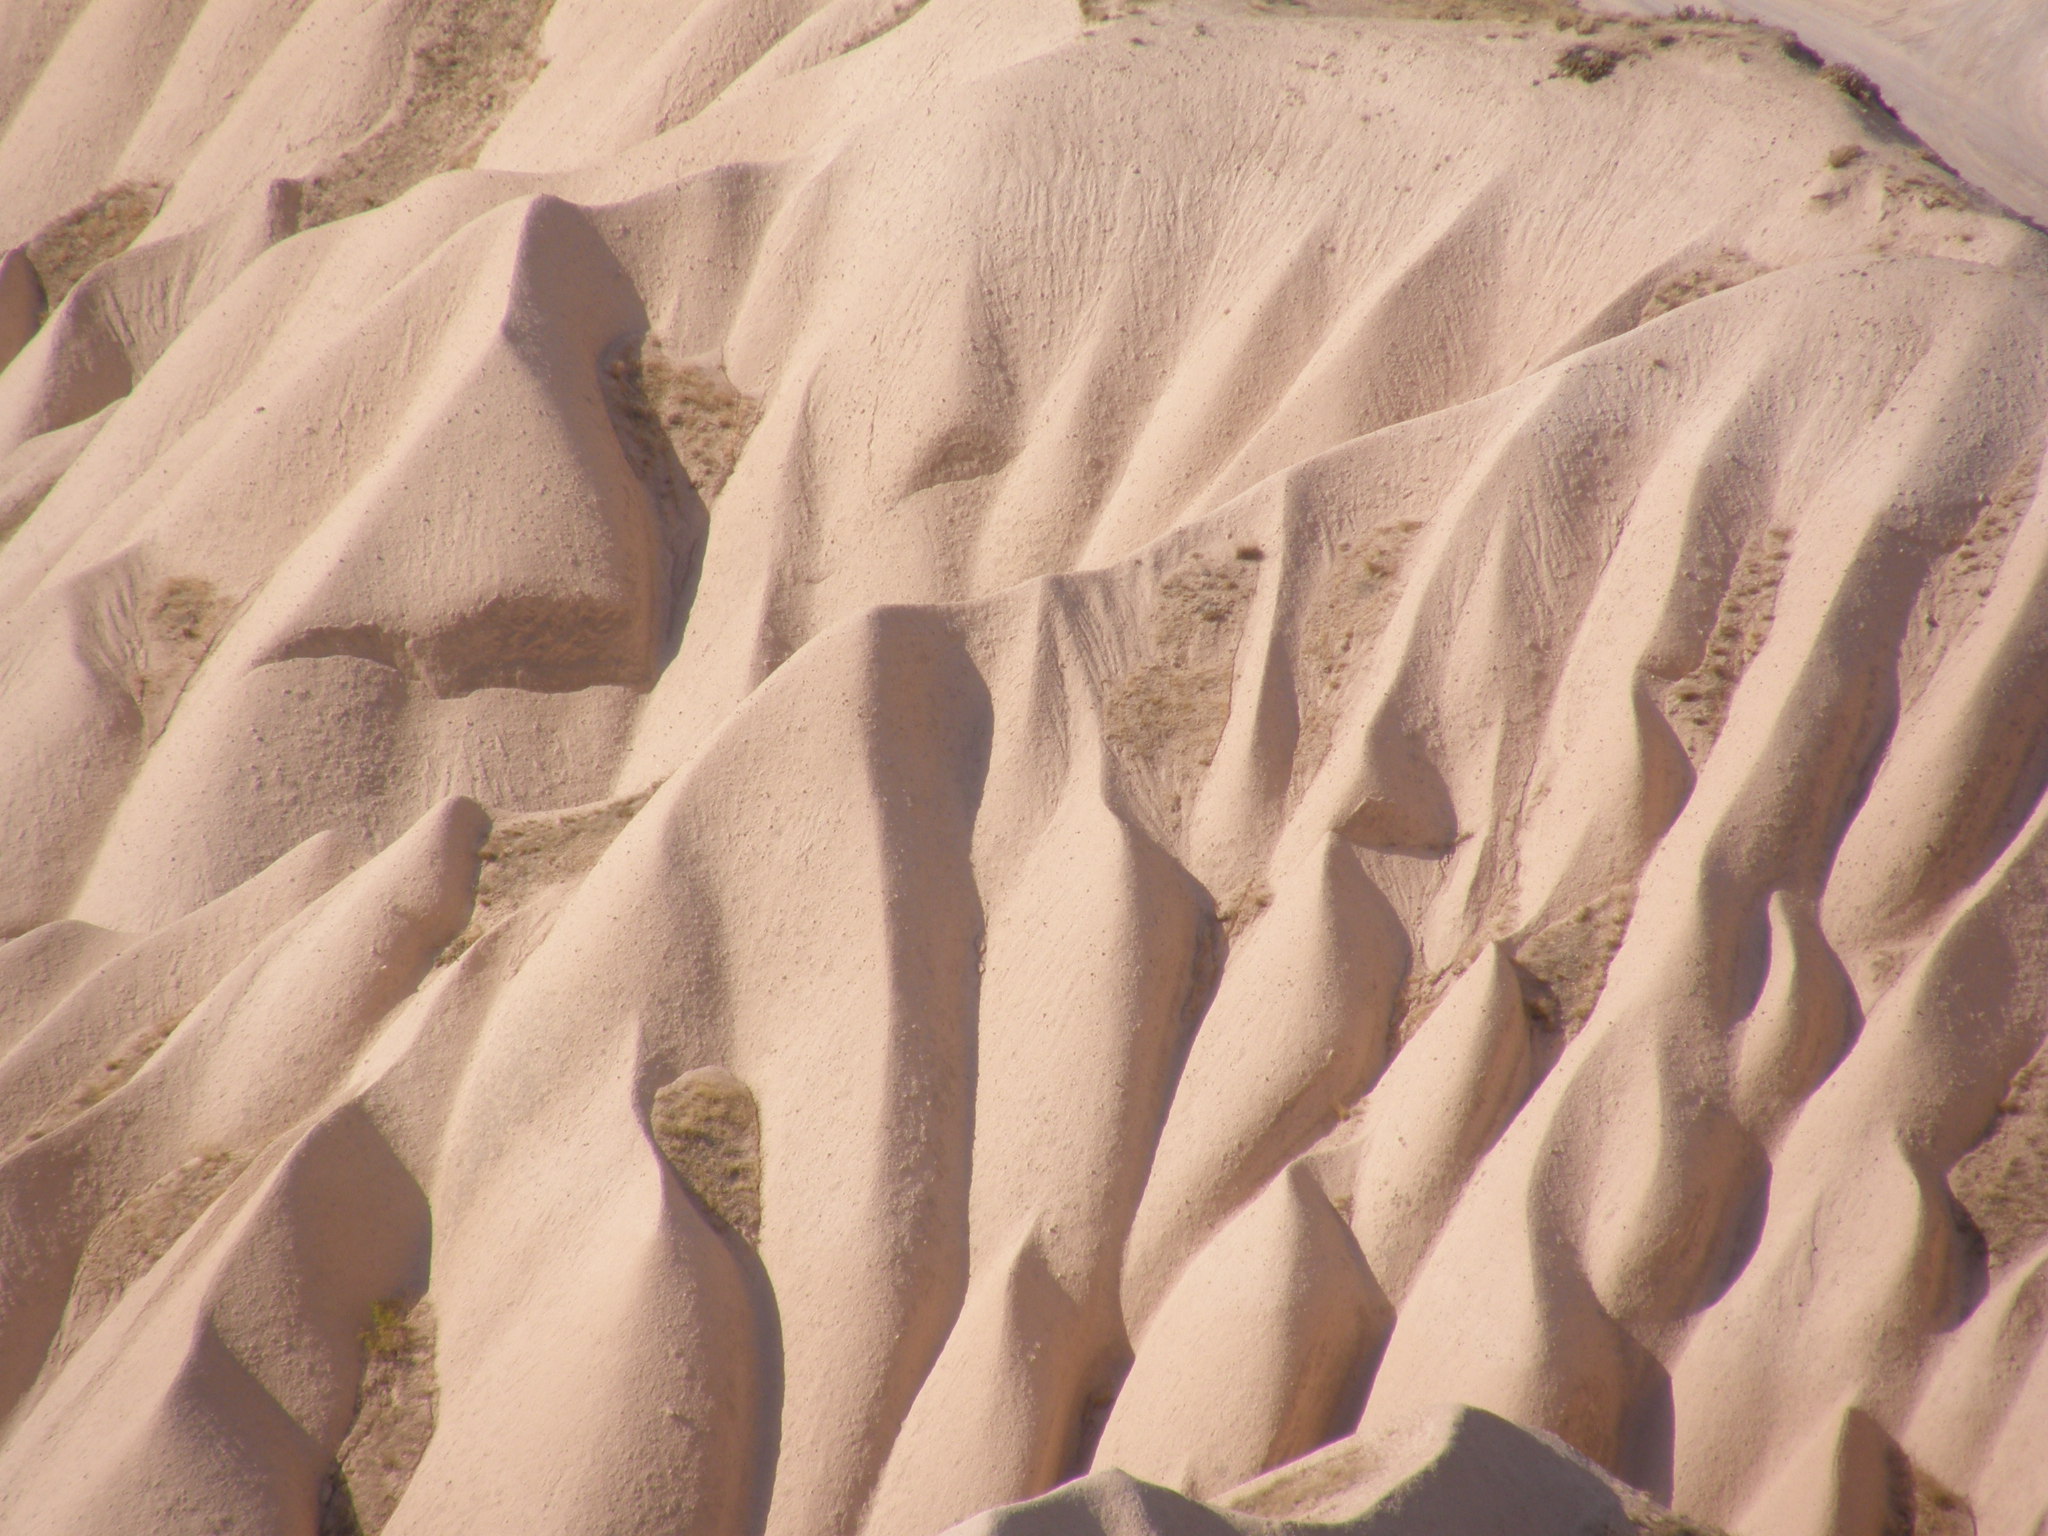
(865, 767)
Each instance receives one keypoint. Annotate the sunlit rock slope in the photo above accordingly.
(835, 769)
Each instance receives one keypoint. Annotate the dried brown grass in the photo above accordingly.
(708, 1126)
(1344, 618)
(1570, 957)
(395, 1412)
(98, 230)
(181, 619)
(527, 854)
(1165, 716)
(1697, 704)
(1954, 592)
(2003, 1181)
(124, 1247)
(469, 61)
(665, 407)
(112, 1071)
(1726, 269)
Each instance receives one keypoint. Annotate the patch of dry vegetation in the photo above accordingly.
(395, 1409)
(1727, 268)
(1570, 958)
(662, 407)
(1855, 85)
(1697, 704)
(1559, 14)
(708, 1126)
(111, 1072)
(1960, 581)
(124, 1247)
(1342, 621)
(1589, 62)
(1926, 180)
(67, 248)
(527, 854)
(2003, 1181)
(1166, 715)
(179, 625)
(1920, 1504)
(1652, 1519)
(1420, 992)
(469, 61)
(1243, 907)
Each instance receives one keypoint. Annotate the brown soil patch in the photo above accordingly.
(1238, 911)
(2003, 1181)
(526, 854)
(1560, 14)
(394, 1421)
(664, 407)
(112, 1072)
(1346, 616)
(1956, 588)
(1933, 187)
(1166, 715)
(64, 250)
(1724, 270)
(1570, 957)
(124, 1247)
(1920, 1503)
(708, 1126)
(1697, 704)
(469, 61)
(179, 625)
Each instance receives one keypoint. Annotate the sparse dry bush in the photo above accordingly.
(1955, 589)
(1855, 85)
(1238, 911)
(1933, 189)
(1588, 62)
(180, 622)
(1920, 1503)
